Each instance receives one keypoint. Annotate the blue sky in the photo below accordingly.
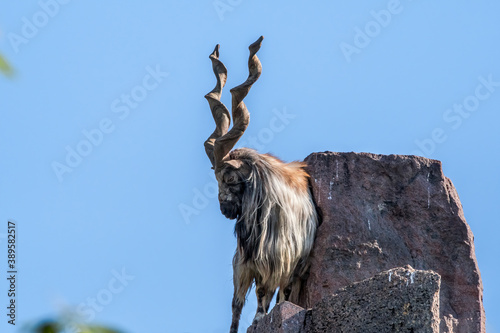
(130, 232)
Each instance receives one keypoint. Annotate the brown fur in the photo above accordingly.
(275, 227)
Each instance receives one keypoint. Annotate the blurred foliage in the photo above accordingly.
(53, 326)
(5, 68)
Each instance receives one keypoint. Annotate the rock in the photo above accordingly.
(399, 300)
(284, 318)
(381, 212)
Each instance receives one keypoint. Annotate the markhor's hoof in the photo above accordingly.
(258, 317)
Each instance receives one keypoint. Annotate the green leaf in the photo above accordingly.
(5, 68)
(48, 327)
(96, 329)
(58, 326)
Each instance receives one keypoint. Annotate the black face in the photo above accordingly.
(231, 189)
(231, 210)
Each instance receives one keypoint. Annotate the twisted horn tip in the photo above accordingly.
(255, 46)
(215, 54)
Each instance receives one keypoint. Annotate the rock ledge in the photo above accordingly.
(398, 300)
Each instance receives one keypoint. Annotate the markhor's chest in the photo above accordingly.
(249, 240)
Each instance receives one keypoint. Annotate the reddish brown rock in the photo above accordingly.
(381, 212)
(399, 300)
(284, 318)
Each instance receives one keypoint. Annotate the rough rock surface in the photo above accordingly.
(284, 318)
(386, 211)
(399, 300)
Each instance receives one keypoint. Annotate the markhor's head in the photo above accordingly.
(231, 170)
(233, 178)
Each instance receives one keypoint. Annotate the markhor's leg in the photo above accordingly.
(237, 305)
(291, 291)
(242, 280)
(284, 292)
(264, 297)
